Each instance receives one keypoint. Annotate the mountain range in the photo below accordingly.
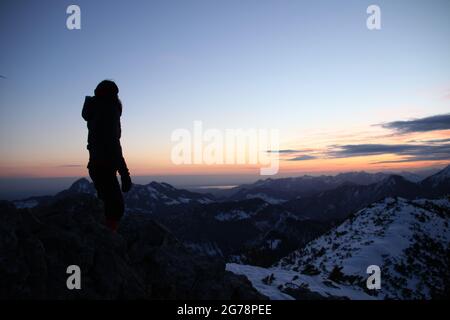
(275, 228)
(256, 229)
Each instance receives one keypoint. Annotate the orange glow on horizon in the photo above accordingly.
(317, 144)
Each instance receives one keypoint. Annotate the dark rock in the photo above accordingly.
(142, 261)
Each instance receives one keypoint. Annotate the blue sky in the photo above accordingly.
(300, 66)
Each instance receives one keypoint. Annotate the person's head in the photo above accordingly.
(107, 89)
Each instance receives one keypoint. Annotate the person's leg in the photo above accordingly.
(98, 176)
(108, 190)
(112, 224)
(114, 205)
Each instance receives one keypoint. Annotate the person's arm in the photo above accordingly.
(87, 108)
(125, 176)
(123, 169)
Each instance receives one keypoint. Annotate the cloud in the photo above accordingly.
(411, 152)
(357, 150)
(437, 122)
(431, 141)
(295, 153)
(285, 151)
(415, 158)
(303, 158)
(425, 149)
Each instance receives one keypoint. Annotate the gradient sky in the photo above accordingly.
(308, 68)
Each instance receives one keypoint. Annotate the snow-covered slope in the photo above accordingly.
(27, 203)
(408, 240)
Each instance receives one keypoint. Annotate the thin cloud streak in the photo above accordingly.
(303, 158)
(433, 123)
(286, 151)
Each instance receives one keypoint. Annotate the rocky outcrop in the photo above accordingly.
(142, 261)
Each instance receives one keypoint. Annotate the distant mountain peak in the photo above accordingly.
(82, 185)
(394, 177)
(444, 173)
(439, 180)
(392, 180)
(160, 185)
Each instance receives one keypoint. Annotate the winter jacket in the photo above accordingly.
(103, 122)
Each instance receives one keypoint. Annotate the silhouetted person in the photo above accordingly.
(102, 113)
